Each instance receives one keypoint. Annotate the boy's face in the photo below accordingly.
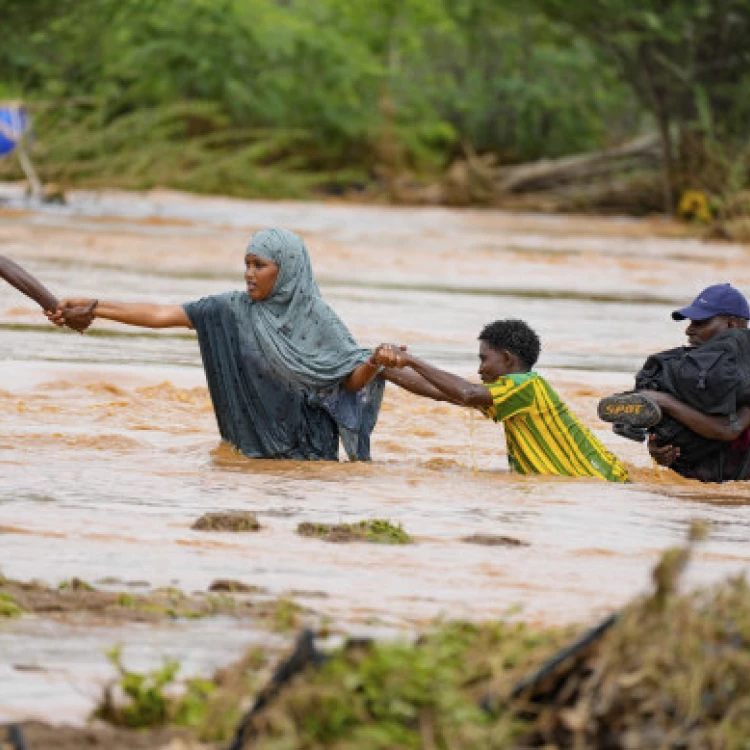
(493, 364)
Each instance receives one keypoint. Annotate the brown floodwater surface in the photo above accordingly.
(109, 449)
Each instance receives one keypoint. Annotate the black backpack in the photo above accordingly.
(713, 378)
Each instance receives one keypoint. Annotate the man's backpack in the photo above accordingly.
(713, 378)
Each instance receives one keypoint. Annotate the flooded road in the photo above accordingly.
(109, 449)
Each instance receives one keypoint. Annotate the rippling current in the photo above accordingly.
(109, 450)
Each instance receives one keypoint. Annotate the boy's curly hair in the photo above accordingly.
(516, 337)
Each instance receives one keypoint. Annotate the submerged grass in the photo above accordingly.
(231, 520)
(378, 530)
(8, 606)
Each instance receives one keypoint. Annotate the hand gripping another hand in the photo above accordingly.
(77, 314)
(390, 355)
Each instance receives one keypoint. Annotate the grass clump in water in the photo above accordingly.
(378, 530)
(75, 584)
(231, 520)
(144, 698)
(8, 606)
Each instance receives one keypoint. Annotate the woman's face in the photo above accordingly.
(260, 276)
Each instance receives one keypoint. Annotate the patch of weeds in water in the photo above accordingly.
(144, 699)
(285, 614)
(220, 604)
(125, 600)
(233, 520)
(8, 606)
(377, 530)
(144, 702)
(494, 540)
(211, 707)
(75, 584)
(228, 584)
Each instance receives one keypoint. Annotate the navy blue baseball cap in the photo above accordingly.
(719, 299)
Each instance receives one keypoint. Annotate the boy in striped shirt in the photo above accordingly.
(542, 435)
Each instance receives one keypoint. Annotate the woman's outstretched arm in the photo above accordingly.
(27, 284)
(142, 314)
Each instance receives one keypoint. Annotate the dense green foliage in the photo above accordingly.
(688, 62)
(222, 94)
(278, 97)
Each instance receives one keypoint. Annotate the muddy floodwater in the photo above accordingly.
(109, 450)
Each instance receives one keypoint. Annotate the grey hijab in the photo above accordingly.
(275, 367)
(301, 337)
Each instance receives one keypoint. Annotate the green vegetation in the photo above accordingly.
(145, 704)
(9, 606)
(264, 98)
(151, 700)
(672, 671)
(284, 615)
(146, 700)
(407, 694)
(232, 520)
(378, 530)
(75, 584)
(688, 65)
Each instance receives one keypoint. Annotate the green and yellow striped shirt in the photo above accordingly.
(542, 435)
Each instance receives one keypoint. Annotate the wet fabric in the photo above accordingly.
(713, 378)
(299, 334)
(543, 436)
(732, 462)
(274, 367)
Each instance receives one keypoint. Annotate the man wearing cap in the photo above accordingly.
(717, 308)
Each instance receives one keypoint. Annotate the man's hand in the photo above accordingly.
(390, 355)
(664, 455)
(77, 313)
(664, 400)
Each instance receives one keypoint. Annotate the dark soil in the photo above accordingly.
(493, 540)
(79, 599)
(231, 520)
(231, 586)
(376, 530)
(38, 736)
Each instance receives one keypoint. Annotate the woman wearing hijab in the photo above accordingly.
(286, 378)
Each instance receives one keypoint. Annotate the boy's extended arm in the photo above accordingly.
(27, 284)
(706, 425)
(415, 383)
(451, 387)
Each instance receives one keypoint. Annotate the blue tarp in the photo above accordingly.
(14, 122)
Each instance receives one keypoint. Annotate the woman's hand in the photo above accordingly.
(390, 355)
(77, 314)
